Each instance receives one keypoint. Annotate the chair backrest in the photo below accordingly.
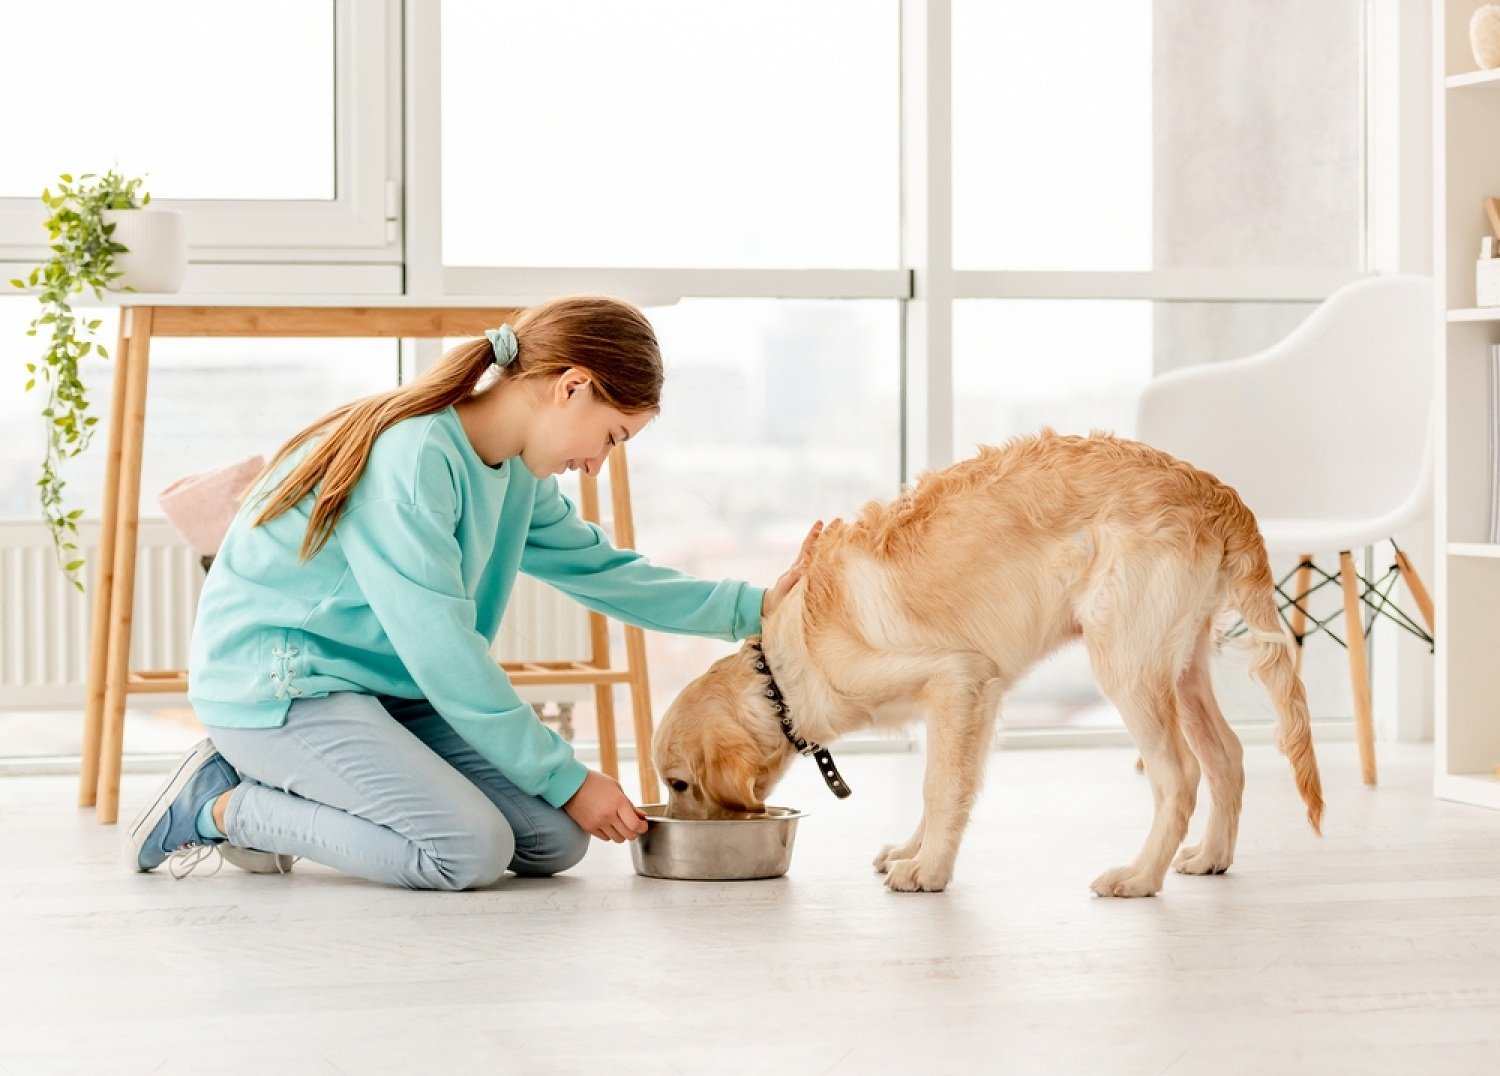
(1334, 421)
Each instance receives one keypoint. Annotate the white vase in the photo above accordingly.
(155, 242)
(1484, 36)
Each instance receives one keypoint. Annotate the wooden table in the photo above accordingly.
(110, 679)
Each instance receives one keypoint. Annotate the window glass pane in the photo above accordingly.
(205, 100)
(1074, 365)
(210, 402)
(1136, 135)
(1052, 135)
(775, 414)
(670, 133)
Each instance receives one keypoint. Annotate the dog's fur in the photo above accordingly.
(939, 601)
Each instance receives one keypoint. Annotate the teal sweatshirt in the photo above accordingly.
(407, 596)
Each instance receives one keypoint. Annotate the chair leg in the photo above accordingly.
(1299, 611)
(1359, 666)
(1418, 591)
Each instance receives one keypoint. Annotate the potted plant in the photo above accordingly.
(85, 226)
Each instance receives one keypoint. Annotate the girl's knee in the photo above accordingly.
(558, 848)
(479, 858)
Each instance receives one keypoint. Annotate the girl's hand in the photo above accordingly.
(793, 575)
(601, 809)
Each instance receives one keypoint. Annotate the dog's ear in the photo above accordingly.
(732, 773)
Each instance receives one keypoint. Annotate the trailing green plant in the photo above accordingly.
(83, 258)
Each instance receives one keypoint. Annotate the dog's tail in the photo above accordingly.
(1251, 591)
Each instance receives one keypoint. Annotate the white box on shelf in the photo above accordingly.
(1487, 282)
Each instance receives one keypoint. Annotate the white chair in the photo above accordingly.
(1327, 437)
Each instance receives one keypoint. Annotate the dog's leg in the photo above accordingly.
(1219, 751)
(960, 710)
(1148, 703)
(892, 852)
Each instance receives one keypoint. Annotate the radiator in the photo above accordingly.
(44, 620)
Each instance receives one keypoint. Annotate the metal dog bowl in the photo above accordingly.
(715, 850)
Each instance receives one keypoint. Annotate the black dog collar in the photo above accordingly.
(820, 754)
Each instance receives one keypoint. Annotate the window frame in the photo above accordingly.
(350, 243)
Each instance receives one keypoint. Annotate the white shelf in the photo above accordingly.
(1466, 170)
(1475, 789)
(1474, 549)
(1473, 78)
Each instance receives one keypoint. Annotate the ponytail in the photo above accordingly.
(609, 339)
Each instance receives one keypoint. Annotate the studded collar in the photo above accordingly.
(820, 754)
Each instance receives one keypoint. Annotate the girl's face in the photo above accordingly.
(574, 430)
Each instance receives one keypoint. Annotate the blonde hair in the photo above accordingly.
(610, 340)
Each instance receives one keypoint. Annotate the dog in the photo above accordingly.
(936, 603)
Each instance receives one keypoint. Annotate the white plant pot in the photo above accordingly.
(155, 242)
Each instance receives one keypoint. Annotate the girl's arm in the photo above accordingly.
(575, 556)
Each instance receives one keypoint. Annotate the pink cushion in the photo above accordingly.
(202, 505)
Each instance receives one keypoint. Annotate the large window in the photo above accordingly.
(871, 234)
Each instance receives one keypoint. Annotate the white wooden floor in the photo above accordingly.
(1375, 949)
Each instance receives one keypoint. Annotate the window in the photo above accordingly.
(278, 148)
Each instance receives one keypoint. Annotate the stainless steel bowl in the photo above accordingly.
(717, 850)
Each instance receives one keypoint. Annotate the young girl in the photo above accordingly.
(341, 650)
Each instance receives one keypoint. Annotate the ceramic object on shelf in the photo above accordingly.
(155, 259)
(1484, 36)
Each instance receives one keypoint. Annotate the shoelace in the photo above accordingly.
(189, 857)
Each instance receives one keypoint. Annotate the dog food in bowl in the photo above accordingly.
(715, 850)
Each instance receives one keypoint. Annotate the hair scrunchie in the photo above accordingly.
(504, 344)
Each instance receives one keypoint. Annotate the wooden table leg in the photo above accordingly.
(122, 600)
(640, 702)
(604, 694)
(635, 638)
(604, 710)
(104, 577)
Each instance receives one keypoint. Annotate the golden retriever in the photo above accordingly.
(936, 603)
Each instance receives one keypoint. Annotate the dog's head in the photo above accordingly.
(720, 748)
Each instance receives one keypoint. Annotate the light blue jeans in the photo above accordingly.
(385, 789)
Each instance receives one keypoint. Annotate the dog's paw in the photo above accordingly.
(1125, 882)
(1196, 859)
(891, 853)
(914, 876)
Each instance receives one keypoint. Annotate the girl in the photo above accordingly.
(341, 650)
